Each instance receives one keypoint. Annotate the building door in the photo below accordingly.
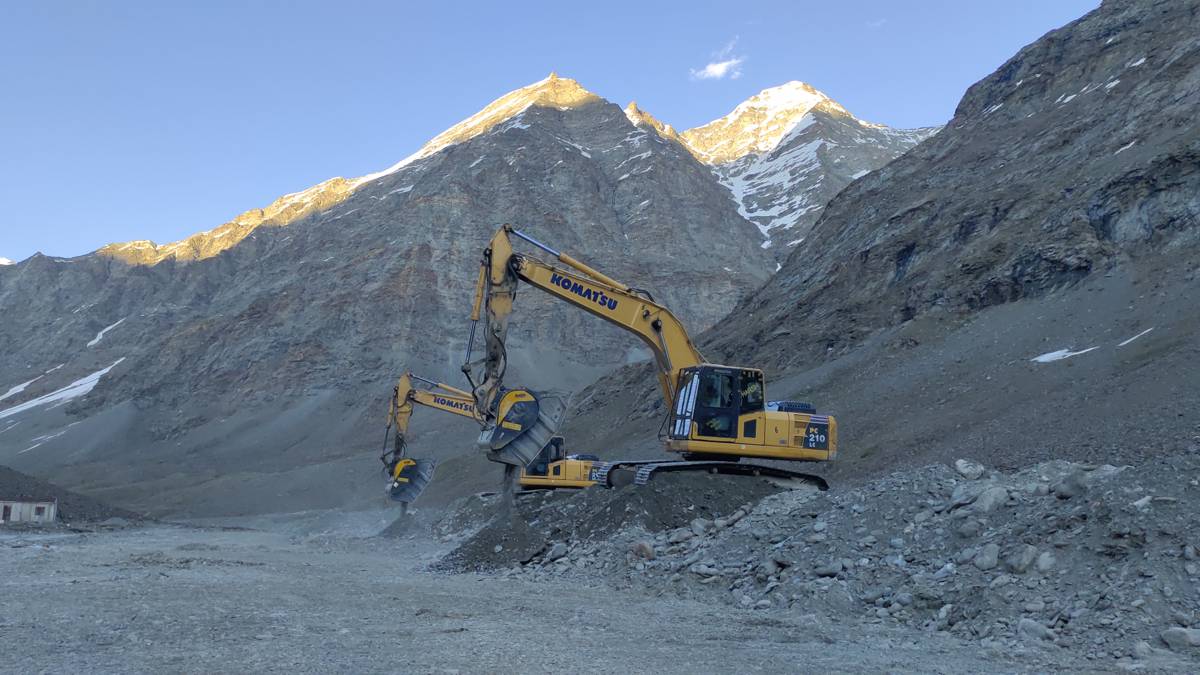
(7, 513)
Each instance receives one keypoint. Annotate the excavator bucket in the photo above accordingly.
(526, 421)
(409, 479)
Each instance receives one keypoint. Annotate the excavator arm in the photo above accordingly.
(551, 468)
(408, 477)
(632, 309)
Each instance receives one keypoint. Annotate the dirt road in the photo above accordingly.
(173, 599)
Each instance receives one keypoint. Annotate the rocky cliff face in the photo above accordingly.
(1079, 150)
(785, 152)
(285, 328)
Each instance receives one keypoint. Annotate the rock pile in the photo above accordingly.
(1099, 559)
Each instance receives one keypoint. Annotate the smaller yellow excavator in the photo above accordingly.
(551, 468)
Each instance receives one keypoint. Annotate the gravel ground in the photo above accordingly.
(174, 599)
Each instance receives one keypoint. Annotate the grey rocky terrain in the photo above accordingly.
(169, 598)
(1098, 561)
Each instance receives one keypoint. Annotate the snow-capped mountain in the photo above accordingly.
(786, 151)
(6, 261)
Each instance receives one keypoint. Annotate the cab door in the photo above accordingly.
(717, 404)
(751, 408)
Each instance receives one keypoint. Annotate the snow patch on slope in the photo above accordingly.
(1060, 354)
(19, 388)
(100, 336)
(76, 389)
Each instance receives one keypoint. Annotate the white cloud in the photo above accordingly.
(731, 68)
(724, 64)
(877, 23)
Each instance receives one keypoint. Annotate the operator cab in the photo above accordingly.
(553, 452)
(715, 397)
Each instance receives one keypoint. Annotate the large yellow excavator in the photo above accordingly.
(718, 414)
(551, 468)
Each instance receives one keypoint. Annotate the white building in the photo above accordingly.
(28, 511)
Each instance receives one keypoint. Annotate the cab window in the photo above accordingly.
(752, 391)
(716, 414)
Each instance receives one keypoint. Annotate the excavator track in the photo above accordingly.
(644, 471)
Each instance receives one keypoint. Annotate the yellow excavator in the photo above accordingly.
(717, 416)
(551, 468)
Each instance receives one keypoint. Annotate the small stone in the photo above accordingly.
(816, 538)
(1191, 568)
(966, 555)
(557, 551)
(868, 540)
(497, 548)
(857, 508)
(896, 542)
(875, 593)
(680, 536)
(830, 569)
(965, 493)
(700, 525)
(643, 549)
(904, 599)
(1021, 559)
(1035, 606)
(1034, 630)
(705, 570)
(819, 526)
(969, 529)
(762, 604)
(946, 570)
(1073, 485)
(1189, 552)
(923, 516)
(990, 499)
(1142, 650)
(1045, 561)
(968, 469)
(988, 557)
(1181, 638)
(882, 612)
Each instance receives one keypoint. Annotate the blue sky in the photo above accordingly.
(155, 120)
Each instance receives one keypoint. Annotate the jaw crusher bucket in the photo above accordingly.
(526, 421)
(409, 479)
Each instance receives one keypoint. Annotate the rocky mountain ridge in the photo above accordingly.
(782, 154)
(785, 152)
